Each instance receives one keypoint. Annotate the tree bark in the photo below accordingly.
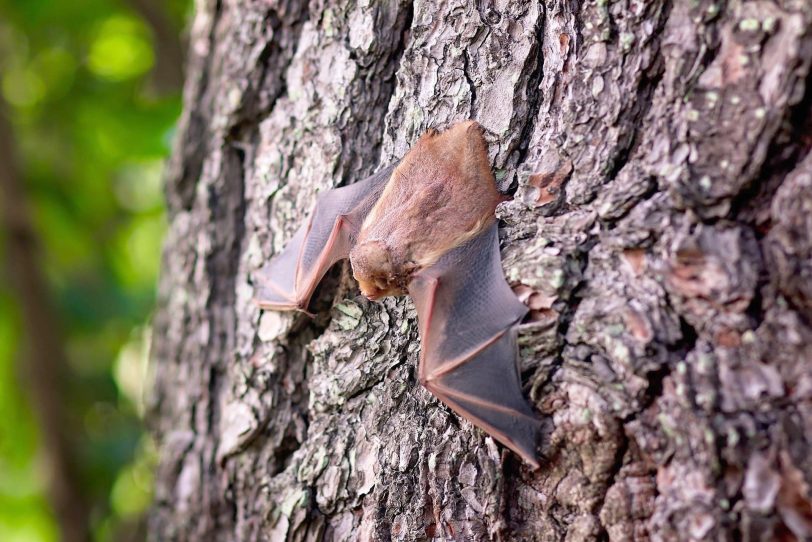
(661, 230)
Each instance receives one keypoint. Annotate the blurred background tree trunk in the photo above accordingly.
(658, 153)
(44, 359)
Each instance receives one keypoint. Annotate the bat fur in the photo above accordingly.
(426, 227)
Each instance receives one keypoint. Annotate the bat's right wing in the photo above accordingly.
(467, 313)
(287, 282)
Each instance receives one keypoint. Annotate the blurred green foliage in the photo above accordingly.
(91, 130)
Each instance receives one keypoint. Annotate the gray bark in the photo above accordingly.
(661, 231)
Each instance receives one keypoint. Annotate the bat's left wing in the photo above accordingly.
(467, 313)
(287, 282)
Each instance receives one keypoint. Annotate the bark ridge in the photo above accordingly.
(660, 233)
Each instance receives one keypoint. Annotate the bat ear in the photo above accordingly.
(474, 135)
(473, 127)
(476, 152)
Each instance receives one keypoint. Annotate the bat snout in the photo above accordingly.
(375, 289)
(370, 290)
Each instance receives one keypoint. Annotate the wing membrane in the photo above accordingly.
(288, 280)
(467, 315)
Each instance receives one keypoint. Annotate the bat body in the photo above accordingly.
(426, 227)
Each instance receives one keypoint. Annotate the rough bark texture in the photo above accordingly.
(661, 230)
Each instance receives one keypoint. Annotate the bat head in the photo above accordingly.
(376, 273)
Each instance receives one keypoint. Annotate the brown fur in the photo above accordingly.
(441, 194)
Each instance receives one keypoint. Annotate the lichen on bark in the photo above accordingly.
(658, 153)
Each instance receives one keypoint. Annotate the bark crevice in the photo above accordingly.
(660, 165)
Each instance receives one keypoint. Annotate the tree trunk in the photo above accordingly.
(44, 359)
(661, 230)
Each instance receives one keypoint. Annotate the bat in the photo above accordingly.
(426, 227)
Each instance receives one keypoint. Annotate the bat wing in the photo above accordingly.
(288, 280)
(467, 313)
